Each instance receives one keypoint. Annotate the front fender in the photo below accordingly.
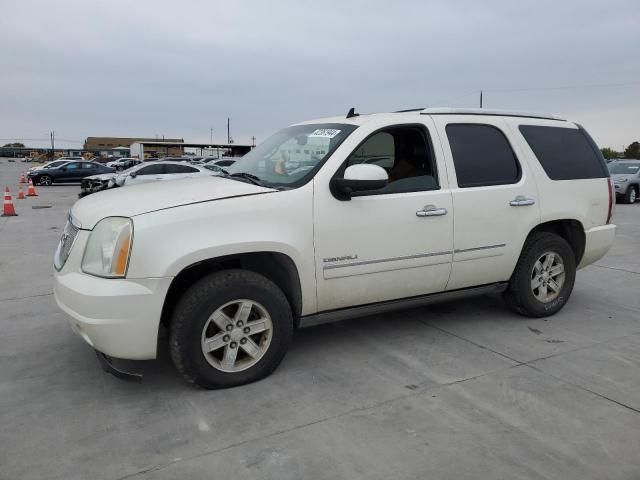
(167, 241)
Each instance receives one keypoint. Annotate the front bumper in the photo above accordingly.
(598, 241)
(118, 317)
(89, 186)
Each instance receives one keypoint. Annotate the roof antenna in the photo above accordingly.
(352, 113)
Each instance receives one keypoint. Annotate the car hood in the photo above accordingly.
(148, 197)
(41, 169)
(102, 176)
(622, 176)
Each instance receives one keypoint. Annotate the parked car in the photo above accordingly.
(100, 159)
(223, 162)
(217, 162)
(626, 179)
(123, 163)
(143, 173)
(69, 172)
(331, 219)
(46, 166)
(173, 159)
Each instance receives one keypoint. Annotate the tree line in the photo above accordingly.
(632, 151)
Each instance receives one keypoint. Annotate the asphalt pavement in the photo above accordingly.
(460, 390)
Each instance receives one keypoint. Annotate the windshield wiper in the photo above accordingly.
(255, 180)
(248, 176)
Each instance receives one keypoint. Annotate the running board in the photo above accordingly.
(400, 304)
(108, 366)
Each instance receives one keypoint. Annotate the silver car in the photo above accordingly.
(626, 179)
(143, 173)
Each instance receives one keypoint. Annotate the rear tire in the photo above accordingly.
(537, 289)
(211, 340)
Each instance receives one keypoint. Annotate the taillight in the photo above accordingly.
(612, 200)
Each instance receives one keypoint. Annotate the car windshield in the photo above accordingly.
(291, 157)
(627, 168)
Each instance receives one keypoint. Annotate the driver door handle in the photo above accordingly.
(431, 211)
(521, 201)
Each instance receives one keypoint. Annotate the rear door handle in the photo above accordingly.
(521, 201)
(431, 211)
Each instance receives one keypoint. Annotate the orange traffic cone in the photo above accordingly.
(23, 179)
(8, 211)
(32, 190)
(20, 193)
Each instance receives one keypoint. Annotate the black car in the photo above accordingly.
(71, 172)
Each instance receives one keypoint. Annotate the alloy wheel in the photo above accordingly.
(547, 277)
(237, 335)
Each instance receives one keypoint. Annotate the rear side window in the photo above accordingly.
(564, 153)
(482, 155)
(155, 169)
(180, 169)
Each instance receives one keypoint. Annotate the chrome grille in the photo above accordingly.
(66, 243)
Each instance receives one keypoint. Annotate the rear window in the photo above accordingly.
(564, 153)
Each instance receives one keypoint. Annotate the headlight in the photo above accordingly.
(621, 180)
(107, 251)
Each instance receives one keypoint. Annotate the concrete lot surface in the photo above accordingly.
(464, 390)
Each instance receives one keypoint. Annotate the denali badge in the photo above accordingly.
(339, 259)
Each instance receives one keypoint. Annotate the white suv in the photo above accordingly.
(330, 219)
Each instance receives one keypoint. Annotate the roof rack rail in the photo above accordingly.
(419, 109)
(485, 111)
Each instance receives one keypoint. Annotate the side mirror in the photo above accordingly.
(133, 174)
(359, 178)
(64, 169)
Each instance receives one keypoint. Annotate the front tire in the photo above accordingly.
(45, 180)
(230, 328)
(631, 195)
(544, 276)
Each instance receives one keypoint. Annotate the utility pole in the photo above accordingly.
(480, 98)
(228, 130)
(53, 141)
(211, 139)
(253, 141)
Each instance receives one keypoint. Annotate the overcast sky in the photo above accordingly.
(178, 68)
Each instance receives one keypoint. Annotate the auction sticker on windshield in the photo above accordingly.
(325, 132)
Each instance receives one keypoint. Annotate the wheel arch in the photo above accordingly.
(276, 266)
(569, 229)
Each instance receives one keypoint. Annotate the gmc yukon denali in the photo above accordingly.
(330, 219)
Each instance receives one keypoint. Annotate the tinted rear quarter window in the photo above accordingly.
(482, 155)
(151, 170)
(564, 153)
(179, 169)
